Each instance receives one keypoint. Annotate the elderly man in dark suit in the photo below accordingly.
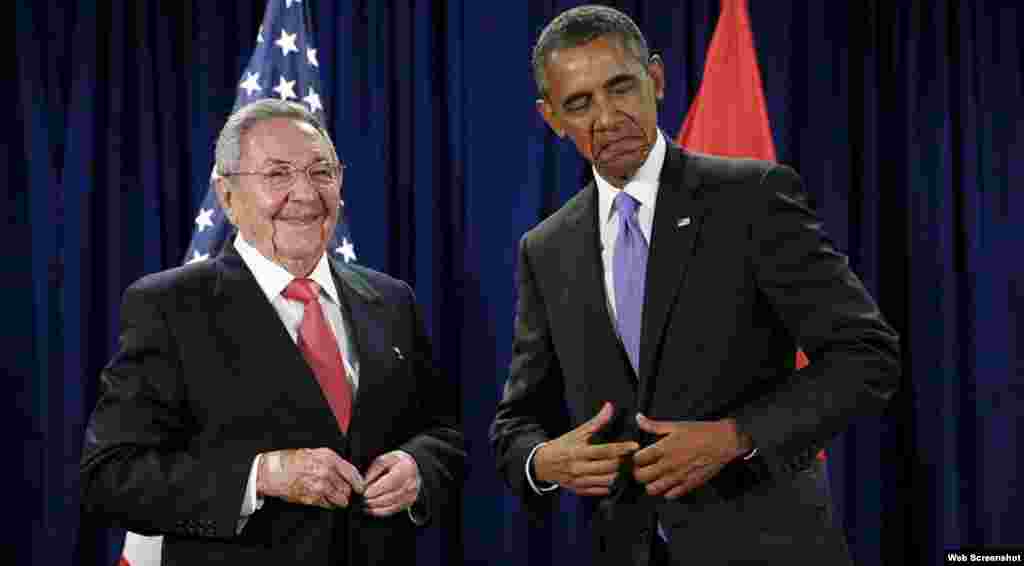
(658, 315)
(273, 406)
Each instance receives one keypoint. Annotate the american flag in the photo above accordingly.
(284, 65)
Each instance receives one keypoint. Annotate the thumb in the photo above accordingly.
(377, 468)
(600, 420)
(648, 425)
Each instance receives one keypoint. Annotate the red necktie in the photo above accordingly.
(320, 348)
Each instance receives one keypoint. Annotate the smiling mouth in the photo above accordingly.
(303, 220)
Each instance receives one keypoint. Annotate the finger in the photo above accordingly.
(313, 493)
(655, 471)
(332, 487)
(384, 511)
(695, 479)
(600, 420)
(689, 484)
(388, 499)
(678, 491)
(604, 480)
(648, 456)
(594, 468)
(339, 496)
(318, 501)
(348, 473)
(610, 451)
(378, 468)
(665, 483)
(387, 483)
(652, 426)
(593, 491)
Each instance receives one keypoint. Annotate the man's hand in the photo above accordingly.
(392, 484)
(688, 454)
(575, 464)
(309, 477)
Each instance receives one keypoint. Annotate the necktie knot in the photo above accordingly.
(302, 290)
(626, 204)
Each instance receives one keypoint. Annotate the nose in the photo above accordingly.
(608, 115)
(302, 189)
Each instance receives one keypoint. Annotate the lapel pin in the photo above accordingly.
(683, 222)
(398, 353)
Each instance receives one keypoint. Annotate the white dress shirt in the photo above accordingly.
(273, 279)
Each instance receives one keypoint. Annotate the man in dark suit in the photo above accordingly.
(272, 405)
(658, 315)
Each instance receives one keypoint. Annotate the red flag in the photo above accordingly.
(729, 116)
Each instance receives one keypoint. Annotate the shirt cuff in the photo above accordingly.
(418, 517)
(251, 502)
(540, 488)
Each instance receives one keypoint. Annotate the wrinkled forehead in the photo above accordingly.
(284, 139)
(590, 65)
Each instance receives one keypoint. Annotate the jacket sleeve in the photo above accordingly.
(532, 408)
(854, 354)
(439, 449)
(140, 469)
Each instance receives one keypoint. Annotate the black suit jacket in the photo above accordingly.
(207, 377)
(739, 273)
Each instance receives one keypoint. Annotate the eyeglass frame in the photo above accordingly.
(338, 167)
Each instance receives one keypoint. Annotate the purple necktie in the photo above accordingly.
(630, 271)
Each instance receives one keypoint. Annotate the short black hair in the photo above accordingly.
(579, 26)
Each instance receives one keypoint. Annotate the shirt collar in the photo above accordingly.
(273, 279)
(643, 186)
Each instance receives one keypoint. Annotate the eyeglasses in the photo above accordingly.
(320, 174)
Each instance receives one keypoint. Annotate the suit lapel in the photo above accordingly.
(678, 218)
(601, 344)
(361, 304)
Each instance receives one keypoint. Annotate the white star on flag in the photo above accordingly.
(288, 3)
(347, 250)
(287, 43)
(196, 256)
(313, 100)
(205, 219)
(311, 57)
(285, 89)
(251, 83)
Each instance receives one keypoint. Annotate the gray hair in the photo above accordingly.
(228, 152)
(580, 26)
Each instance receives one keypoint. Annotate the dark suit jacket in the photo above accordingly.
(207, 377)
(729, 296)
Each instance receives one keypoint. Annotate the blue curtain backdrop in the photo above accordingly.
(903, 118)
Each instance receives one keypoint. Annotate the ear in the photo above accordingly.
(656, 70)
(223, 188)
(547, 111)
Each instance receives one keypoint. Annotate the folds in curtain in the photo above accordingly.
(904, 121)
